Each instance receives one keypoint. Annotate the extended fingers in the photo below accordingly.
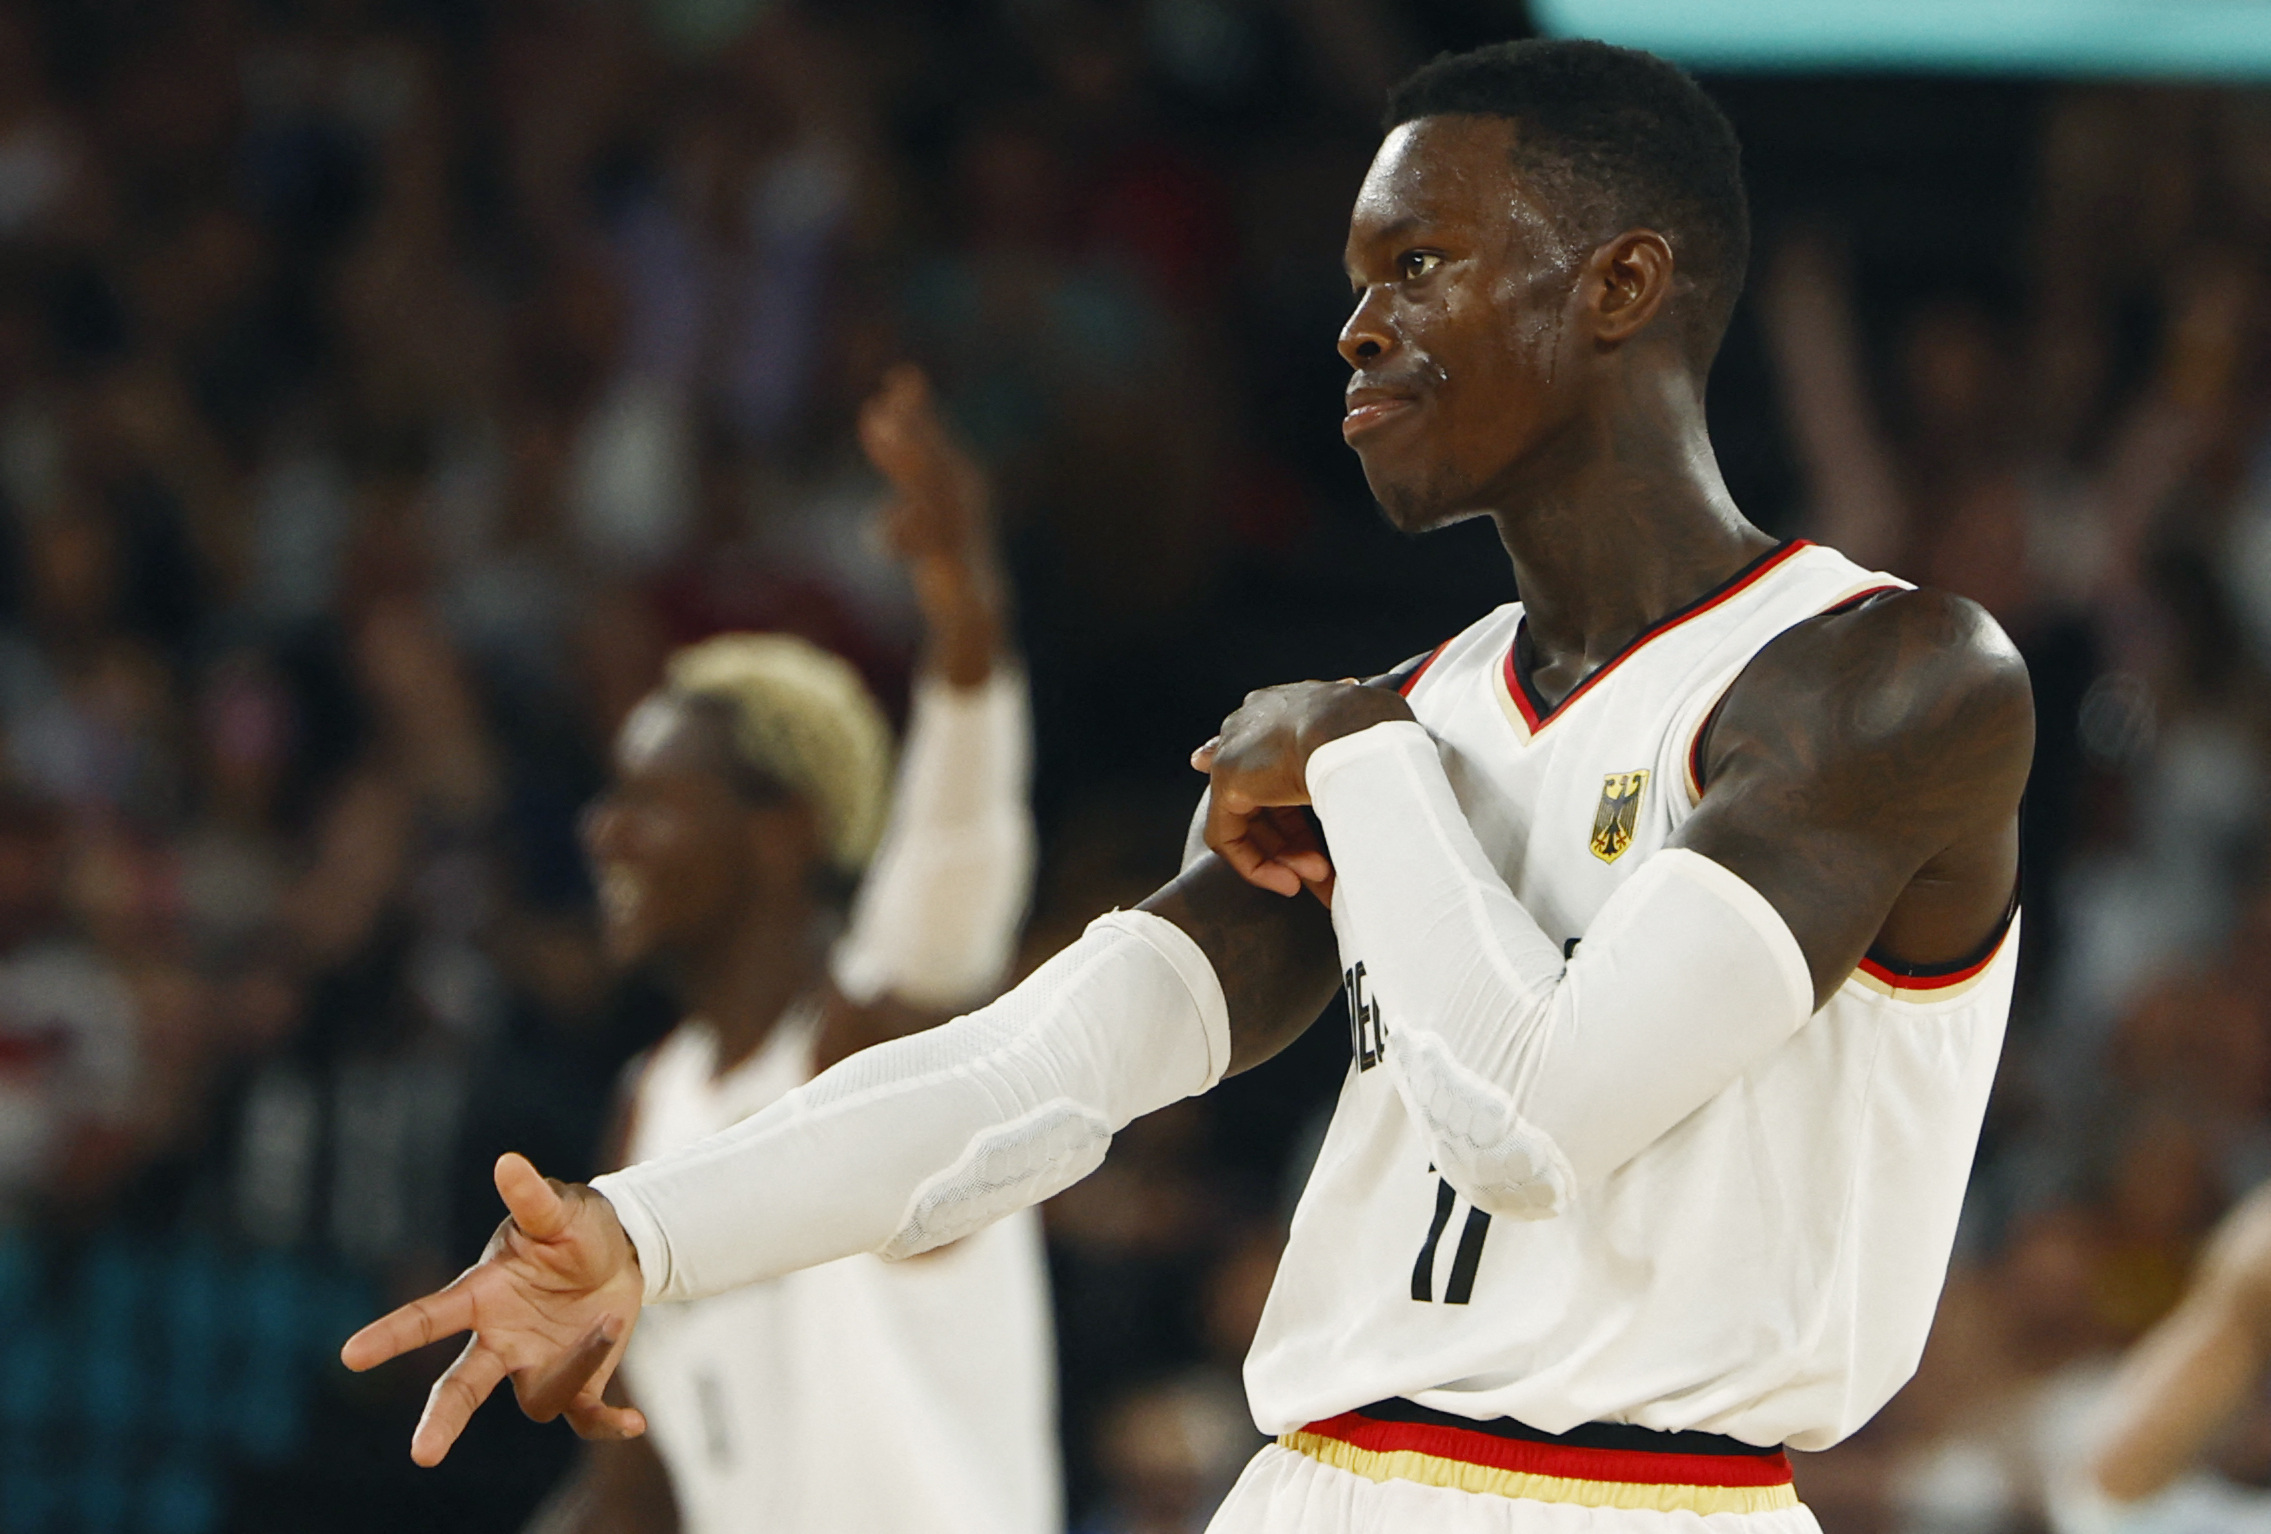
(601, 1421)
(536, 1205)
(545, 1393)
(453, 1400)
(426, 1319)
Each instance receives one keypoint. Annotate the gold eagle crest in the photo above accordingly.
(1618, 815)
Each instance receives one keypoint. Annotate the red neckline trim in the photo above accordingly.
(1537, 716)
(1433, 656)
(1628, 1466)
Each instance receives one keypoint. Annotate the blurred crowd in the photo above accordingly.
(2078, 435)
(387, 385)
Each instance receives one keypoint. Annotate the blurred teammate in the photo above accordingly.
(1674, 906)
(2180, 1392)
(750, 794)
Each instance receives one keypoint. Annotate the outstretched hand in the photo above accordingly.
(1258, 770)
(550, 1304)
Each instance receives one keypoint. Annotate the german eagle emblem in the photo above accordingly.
(1618, 815)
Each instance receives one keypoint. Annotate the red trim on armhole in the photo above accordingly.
(1939, 977)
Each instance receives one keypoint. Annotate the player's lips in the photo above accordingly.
(1370, 408)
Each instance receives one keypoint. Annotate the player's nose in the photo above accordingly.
(1368, 336)
(601, 827)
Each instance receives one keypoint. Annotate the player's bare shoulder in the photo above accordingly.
(1864, 774)
(1913, 705)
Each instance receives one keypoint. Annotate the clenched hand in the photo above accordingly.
(1258, 771)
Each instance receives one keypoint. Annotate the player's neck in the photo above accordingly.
(748, 974)
(1627, 522)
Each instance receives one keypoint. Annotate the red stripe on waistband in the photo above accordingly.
(1631, 1466)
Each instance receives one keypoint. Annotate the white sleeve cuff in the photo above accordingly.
(644, 1231)
(1195, 970)
(1388, 738)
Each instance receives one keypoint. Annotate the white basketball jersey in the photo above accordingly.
(1769, 1268)
(860, 1397)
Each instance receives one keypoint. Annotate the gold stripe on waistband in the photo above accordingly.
(1488, 1480)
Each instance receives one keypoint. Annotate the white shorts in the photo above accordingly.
(1286, 1492)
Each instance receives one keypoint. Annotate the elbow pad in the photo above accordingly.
(1484, 1147)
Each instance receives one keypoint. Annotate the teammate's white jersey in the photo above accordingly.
(1768, 1269)
(860, 1397)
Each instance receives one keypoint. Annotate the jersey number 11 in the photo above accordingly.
(1460, 1286)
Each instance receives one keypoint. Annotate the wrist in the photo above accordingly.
(964, 616)
(1351, 711)
(638, 1231)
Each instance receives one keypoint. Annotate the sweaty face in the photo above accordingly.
(668, 841)
(1464, 294)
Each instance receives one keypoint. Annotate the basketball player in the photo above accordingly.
(750, 790)
(2183, 1385)
(1675, 905)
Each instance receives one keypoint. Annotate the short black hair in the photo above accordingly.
(1623, 139)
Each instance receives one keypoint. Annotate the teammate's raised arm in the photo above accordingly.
(2185, 1380)
(939, 907)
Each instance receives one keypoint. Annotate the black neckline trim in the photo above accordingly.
(1521, 658)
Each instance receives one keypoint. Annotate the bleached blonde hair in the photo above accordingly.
(803, 718)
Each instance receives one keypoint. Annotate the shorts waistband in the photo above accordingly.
(1599, 1464)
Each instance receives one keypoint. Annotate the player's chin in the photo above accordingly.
(1416, 507)
(628, 941)
(1409, 485)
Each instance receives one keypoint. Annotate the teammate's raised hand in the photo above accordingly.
(550, 1304)
(1258, 770)
(940, 522)
(944, 502)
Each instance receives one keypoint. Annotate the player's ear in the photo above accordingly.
(1627, 282)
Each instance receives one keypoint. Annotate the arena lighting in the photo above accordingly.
(2214, 39)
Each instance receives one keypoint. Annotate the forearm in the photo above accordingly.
(1531, 1074)
(2174, 1394)
(937, 915)
(964, 597)
(1275, 957)
(920, 1141)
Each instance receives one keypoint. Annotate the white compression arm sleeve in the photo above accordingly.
(938, 913)
(1533, 1077)
(918, 1142)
